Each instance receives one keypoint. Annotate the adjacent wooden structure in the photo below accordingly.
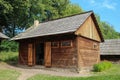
(110, 50)
(71, 42)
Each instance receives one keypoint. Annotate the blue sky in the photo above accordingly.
(108, 10)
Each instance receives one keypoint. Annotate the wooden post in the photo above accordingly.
(47, 54)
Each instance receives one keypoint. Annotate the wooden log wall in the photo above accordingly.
(23, 53)
(65, 56)
(60, 57)
(88, 52)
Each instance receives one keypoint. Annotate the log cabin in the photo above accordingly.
(69, 42)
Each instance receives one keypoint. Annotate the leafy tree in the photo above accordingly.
(17, 15)
(9, 46)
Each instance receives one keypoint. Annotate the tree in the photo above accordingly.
(17, 15)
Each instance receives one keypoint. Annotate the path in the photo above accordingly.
(27, 72)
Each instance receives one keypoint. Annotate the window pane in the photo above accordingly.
(66, 43)
(55, 44)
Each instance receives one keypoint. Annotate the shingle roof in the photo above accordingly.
(58, 26)
(110, 47)
(3, 36)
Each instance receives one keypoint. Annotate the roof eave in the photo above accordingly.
(72, 32)
(98, 28)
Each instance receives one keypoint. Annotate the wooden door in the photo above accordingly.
(48, 54)
(30, 54)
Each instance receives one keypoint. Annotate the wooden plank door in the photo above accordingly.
(30, 54)
(47, 54)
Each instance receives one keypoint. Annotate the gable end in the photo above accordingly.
(90, 29)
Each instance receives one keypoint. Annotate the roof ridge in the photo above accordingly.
(68, 16)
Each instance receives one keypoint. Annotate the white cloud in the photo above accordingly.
(108, 4)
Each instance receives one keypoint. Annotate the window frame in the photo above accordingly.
(55, 46)
(71, 44)
(95, 46)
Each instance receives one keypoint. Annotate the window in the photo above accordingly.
(95, 46)
(66, 43)
(55, 44)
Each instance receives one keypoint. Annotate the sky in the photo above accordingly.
(108, 10)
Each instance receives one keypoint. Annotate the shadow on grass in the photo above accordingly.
(12, 60)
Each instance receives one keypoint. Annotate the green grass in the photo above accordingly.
(44, 77)
(8, 74)
(9, 57)
(111, 74)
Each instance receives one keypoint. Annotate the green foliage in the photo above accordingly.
(9, 46)
(9, 57)
(20, 14)
(102, 66)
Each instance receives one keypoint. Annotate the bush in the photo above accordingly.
(9, 46)
(102, 66)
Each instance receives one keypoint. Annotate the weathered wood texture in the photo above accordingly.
(88, 29)
(60, 57)
(65, 56)
(88, 52)
(30, 54)
(47, 54)
(23, 53)
(84, 52)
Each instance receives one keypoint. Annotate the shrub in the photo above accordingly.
(9, 46)
(102, 66)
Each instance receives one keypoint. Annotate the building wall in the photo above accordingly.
(23, 53)
(65, 56)
(60, 57)
(83, 53)
(89, 30)
(88, 52)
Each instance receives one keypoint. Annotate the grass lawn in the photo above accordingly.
(8, 74)
(9, 57)
(111, 74)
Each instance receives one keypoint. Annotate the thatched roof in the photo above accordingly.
(2, 36)
(59, 26)
(110, 47)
